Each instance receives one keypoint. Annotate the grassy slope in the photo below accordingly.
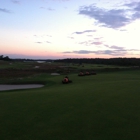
(101, 107)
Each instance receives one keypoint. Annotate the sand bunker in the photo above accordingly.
(12, 87)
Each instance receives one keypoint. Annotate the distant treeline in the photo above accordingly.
(110, 61)
(80, 61)
(6, 58)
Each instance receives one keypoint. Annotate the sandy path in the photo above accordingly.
(11, 87)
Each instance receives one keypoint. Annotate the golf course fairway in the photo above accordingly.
(101, 107)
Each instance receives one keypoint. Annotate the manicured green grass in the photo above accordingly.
(99, 107)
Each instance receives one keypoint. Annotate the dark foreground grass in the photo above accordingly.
(101, 107)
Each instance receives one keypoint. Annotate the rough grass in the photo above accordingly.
(99, 107)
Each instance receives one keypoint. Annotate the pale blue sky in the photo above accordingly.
(69, 29)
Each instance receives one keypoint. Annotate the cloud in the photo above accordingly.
(42, 7)
(48, 35)
(98, 38)
(50, 9)
(42, 36)
(91, 42)
(48, 42)
(97, 43)
(116, 47)
(43, 42)
(112, 50)
(131, 4)
(137, 8)
(86, 31)
(136, 15)
(5, 10)
(70, 37)
(106, 45)
(15, 1)
(80, 52)
(114, 18)
(123, 30)
(38, 42)
(90, 35)
(100, 52)
(86, 43)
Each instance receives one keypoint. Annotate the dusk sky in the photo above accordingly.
(55, 29)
